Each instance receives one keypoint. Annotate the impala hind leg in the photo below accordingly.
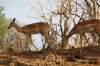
(44, 46)
(99, 41)
(46, 41)
(47, 38)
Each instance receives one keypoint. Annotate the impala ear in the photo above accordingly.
(14, 19)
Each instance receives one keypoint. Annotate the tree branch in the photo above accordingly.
(84, 8)
(79, 16)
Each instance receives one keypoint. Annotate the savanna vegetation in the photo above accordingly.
(61, 17)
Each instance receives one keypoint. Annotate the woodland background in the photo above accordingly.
(62, 15)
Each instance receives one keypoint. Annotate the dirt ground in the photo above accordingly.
(87, 56)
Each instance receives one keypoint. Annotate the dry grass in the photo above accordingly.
(49, 58)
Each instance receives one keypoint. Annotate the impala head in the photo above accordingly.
(11, 24)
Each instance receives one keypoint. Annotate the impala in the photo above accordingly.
(97, 31)
(28, 30)
(87, 26)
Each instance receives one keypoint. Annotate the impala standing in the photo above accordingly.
(28, 30)
(87, 26)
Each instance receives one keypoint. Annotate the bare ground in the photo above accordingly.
(87, 56)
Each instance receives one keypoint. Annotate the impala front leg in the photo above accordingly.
(26, 42)
(93, 38)
(30, 38)
(81, 39)
(85, 38)
(27, 39)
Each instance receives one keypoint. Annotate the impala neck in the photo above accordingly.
(69, 35)
(17, 27)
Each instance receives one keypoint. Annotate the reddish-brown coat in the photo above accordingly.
(84, 26)
(39, 27)
(35, 28)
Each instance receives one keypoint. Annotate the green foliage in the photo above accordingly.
(3, 23)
